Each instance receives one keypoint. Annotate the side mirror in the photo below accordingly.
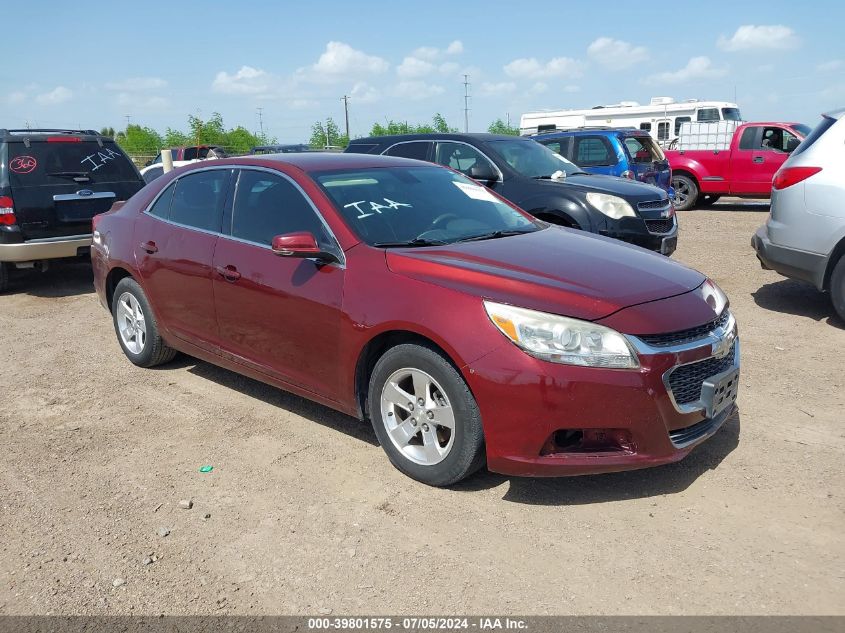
(792, 144)
(483, 172)
(300, 244)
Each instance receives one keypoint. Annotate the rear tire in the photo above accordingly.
(424, 415)
(686, 192)
(4, 276)
(837, 288)
(136, 327)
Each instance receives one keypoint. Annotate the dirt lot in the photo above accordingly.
(307, 516)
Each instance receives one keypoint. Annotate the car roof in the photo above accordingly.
(615, 131)
(434, 136)
(316, 161)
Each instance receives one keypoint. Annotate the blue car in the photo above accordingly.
(624, 152)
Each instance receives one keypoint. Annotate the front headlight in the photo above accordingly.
(713, 296)
(612, 206)
(561, 339)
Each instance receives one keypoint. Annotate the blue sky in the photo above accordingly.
(93, 63)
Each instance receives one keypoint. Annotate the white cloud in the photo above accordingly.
(137, 84)
(364, 93)
(448, 68)
(750, 36)
(340, 60)
(455, 48)
(500, 88)
(539, 87)
(412, 67)
(417, 90)
(247, 80)
(696, 68)
(830, 66)
(142, 102)
(616, 54)
(16, 97)
(58, 95)
(531, 68)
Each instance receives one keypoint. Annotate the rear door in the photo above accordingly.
(595, 154)
(59, 183)
(174, 247)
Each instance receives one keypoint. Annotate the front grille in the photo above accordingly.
(686, 381)
(660, 226)
(653, 204)
(686, 336)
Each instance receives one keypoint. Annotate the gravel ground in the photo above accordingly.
(303, 514)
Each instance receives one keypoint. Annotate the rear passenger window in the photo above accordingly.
(267, 205)
(198, 199)
(746, 141)
(417, 150)
(161, 208)
(593, 151)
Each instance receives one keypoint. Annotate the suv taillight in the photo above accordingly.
(788, 176)
(7, 211)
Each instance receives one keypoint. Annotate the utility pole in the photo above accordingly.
(128, 119)
(345, 100)
(261, 121)
(466, 103)
(508, 115)
(327, 134)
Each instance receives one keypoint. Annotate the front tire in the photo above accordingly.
(424, 415)
(686, 192)
(837, 288)
(136, 327)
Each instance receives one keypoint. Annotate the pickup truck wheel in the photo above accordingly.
(708, 200)
(686, 192)
(837, 288)
(136, 327)
(424, 415)
(4, 276)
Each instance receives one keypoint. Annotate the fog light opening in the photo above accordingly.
(574, 441)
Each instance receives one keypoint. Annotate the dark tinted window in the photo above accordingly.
(679, 121)
(459, 156)
(267, 205)
(44, 163)
(814, 136)
(153, 173)
(592, 151)
(645, 126)
(663, 131)
(731, 114)
(189, 154)
(746, 141)
(707, 114)
(161, 208)
(417, 149)
(198, 199)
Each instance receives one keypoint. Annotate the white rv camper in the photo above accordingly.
(662, 117)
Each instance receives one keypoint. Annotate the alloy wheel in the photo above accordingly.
(131, 323)
(418, 416)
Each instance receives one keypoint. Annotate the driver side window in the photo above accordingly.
(460, 157)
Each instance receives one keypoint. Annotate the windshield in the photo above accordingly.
(731, 114)
(530, 159)
(804, 130)
(426, 205)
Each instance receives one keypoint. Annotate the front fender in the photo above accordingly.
(564, 206)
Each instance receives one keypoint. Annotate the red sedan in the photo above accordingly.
(466, 330)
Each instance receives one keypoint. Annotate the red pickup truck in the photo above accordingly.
(744, 169)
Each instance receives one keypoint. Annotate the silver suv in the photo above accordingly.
(804, 236)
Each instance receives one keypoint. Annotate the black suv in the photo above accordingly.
(545, 184)
(52, 182)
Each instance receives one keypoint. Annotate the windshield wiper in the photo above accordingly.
(496, 234)
(79, 176)
(417, 241)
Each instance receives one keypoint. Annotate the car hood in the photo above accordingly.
(557, 270)
(628, 189)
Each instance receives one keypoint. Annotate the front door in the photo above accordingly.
(278, 315)
(174, 245)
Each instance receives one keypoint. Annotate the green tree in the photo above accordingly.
(140, 141)
(176, 138)
(438, 124)
(500, 127)
(327, 134)
(108, 131)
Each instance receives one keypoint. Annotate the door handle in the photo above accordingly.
(150, 247)
(229, 273)
(759, 159)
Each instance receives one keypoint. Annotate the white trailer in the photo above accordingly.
(662, 117)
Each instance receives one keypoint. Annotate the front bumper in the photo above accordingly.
(635, 231)
(525, 402)
(47, 248)
(789, 262)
